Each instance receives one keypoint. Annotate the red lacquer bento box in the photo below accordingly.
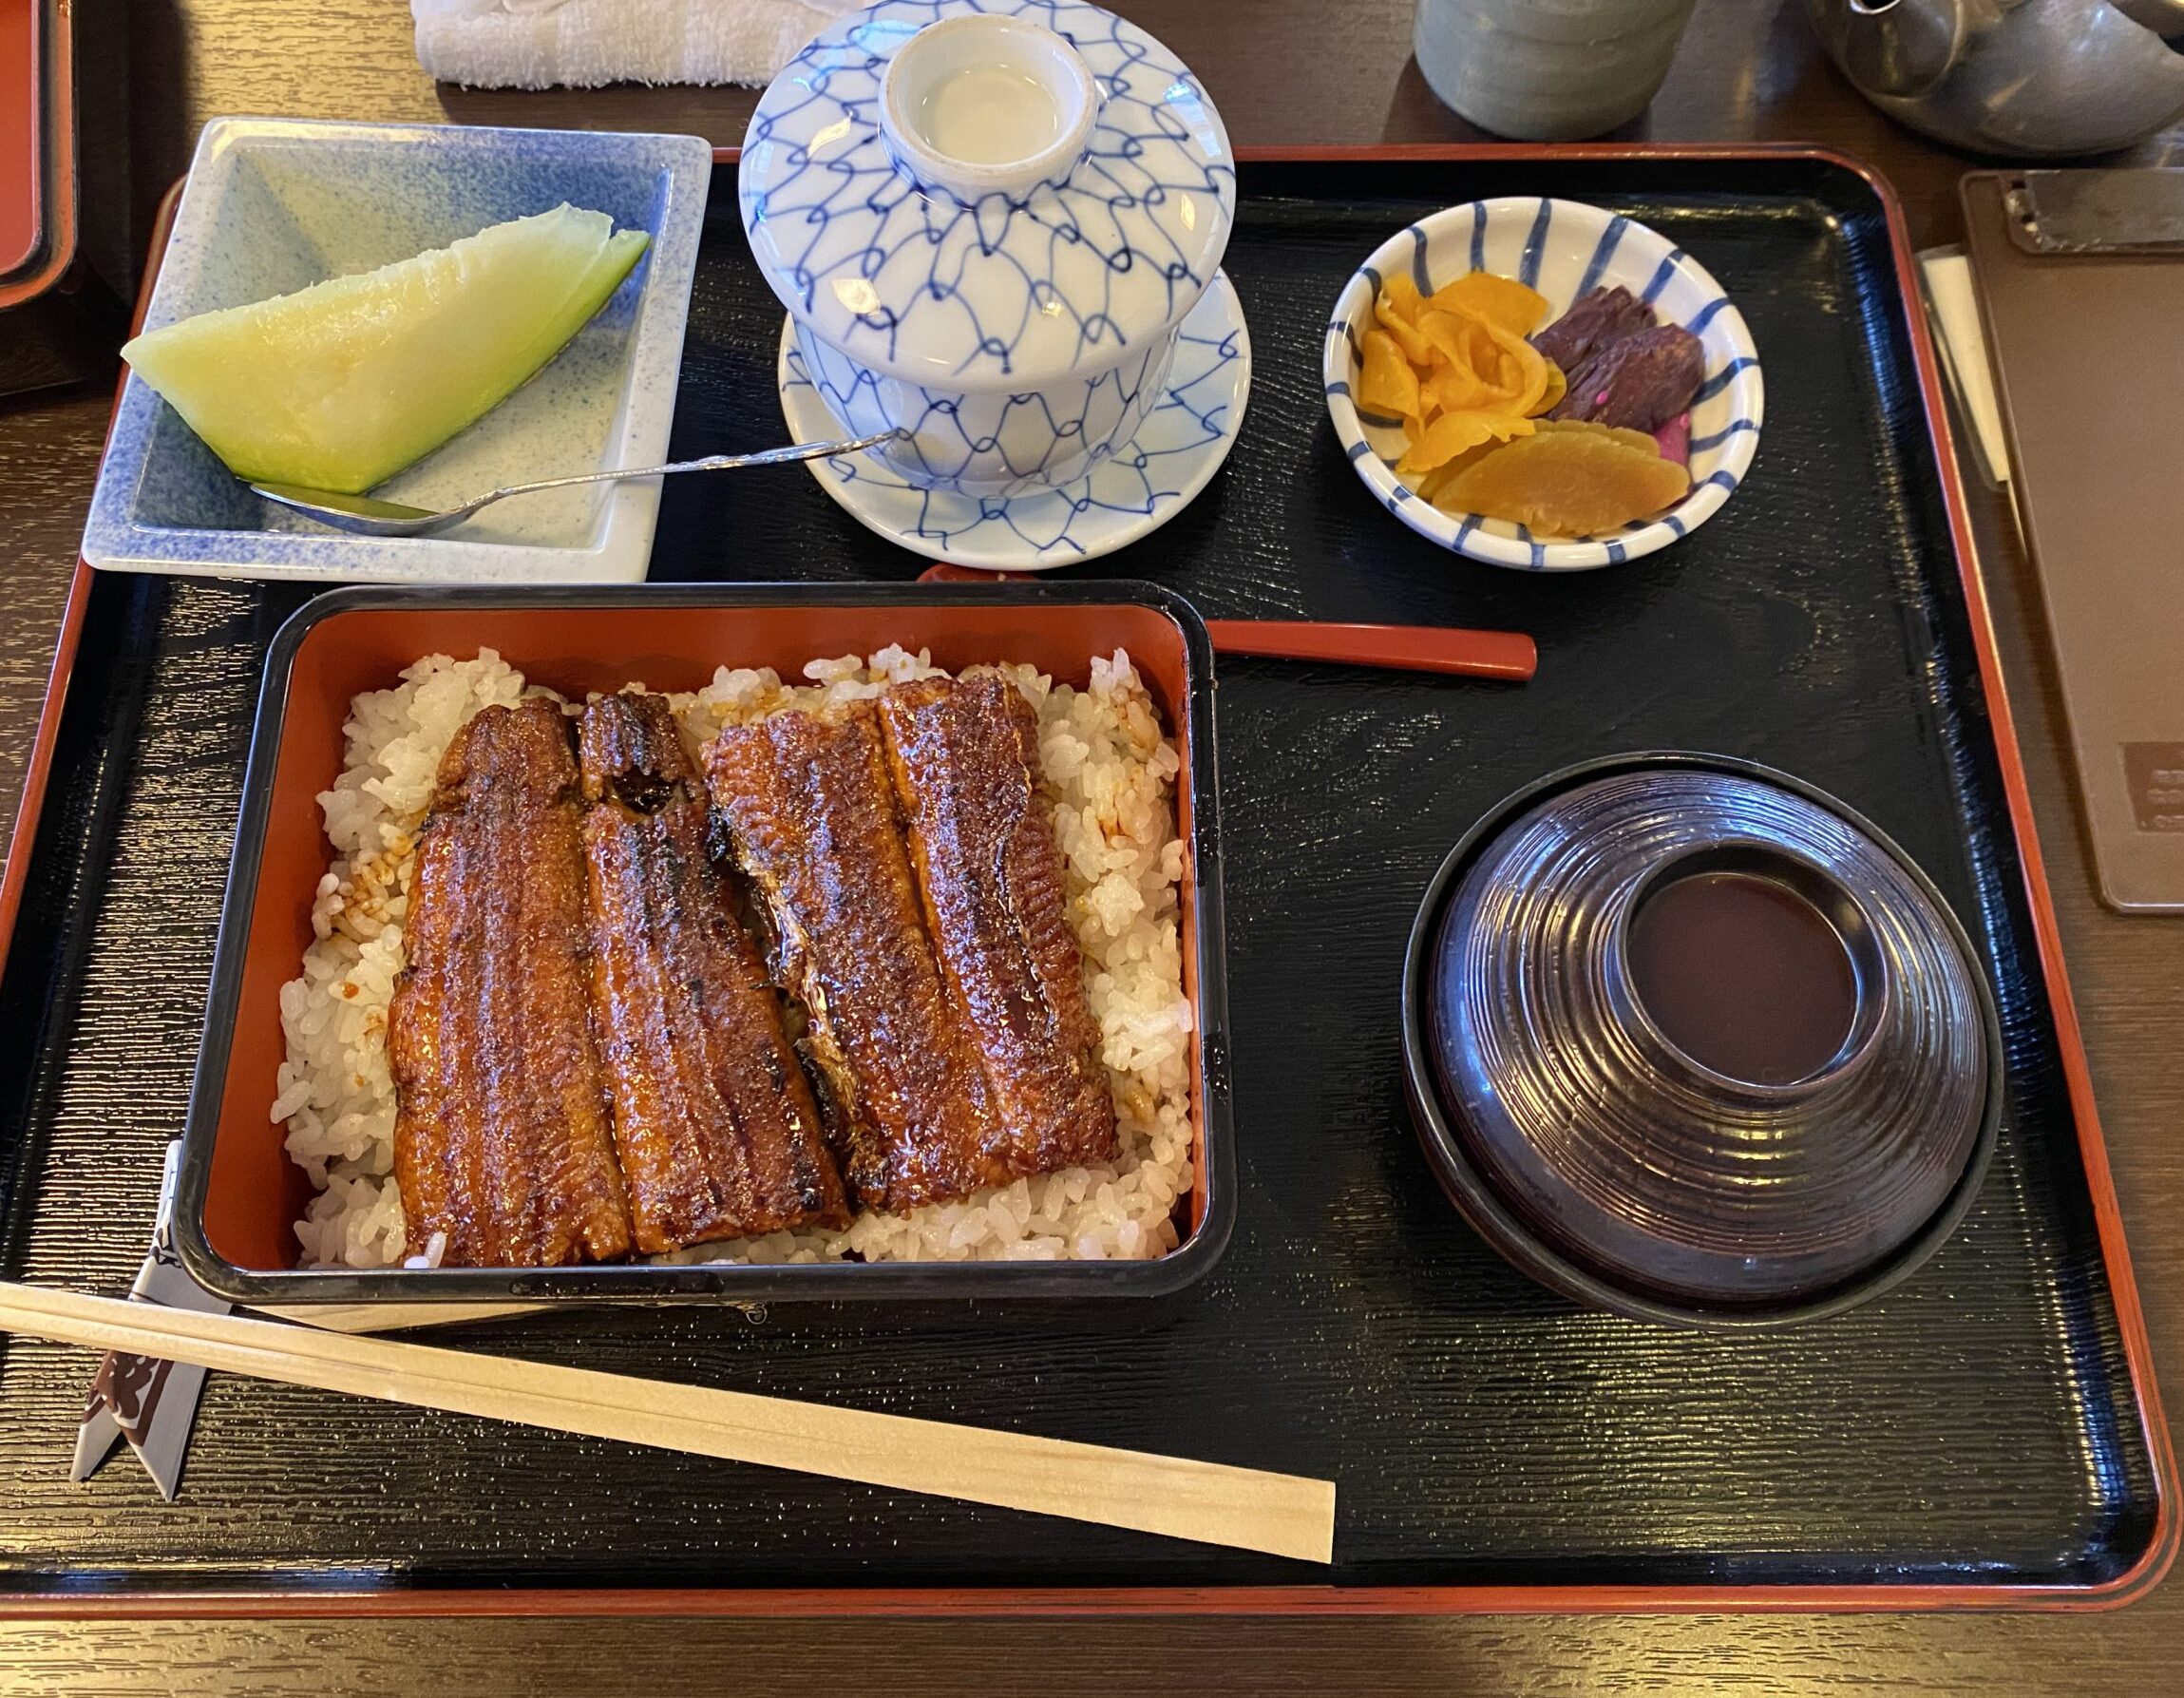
(240, 1193)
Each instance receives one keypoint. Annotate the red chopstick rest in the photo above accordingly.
(1403, 648)
(1449, 649)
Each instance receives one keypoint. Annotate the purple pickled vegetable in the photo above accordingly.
(1593, 321)
(1639, 382)
(1621, 367)
(1675, 439)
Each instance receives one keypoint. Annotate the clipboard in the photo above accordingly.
(2080, 284)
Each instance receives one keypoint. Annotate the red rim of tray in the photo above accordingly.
(22, 148)
(37, 180)
(1322, 1600)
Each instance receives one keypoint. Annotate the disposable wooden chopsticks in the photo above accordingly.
(394, 1316)
(1207, 1501)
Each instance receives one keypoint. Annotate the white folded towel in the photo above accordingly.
(582, 44)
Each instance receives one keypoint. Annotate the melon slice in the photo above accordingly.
(341, 384)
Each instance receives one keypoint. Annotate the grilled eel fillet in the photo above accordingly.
(809, 805)
(963, 755)
(713, 1121)
(502, 1139)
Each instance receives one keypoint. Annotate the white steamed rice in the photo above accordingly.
(1110, 776)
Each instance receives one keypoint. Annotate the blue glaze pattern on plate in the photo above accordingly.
(1565, 249)
(1187, 434)
(274, 205)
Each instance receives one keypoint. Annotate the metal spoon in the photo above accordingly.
(370, 517)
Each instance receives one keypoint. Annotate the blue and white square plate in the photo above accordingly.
(1562, 249)
(272, 205)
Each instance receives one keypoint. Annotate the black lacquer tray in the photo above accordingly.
(1983, 1434)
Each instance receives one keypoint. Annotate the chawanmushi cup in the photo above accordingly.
(988, 223)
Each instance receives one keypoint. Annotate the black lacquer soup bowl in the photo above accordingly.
(1690, 1040)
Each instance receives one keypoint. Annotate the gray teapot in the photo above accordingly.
(2023, 77)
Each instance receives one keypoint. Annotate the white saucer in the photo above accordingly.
(1185, 437)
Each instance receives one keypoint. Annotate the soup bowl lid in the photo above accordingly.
(977, 194)
(1583, 1137)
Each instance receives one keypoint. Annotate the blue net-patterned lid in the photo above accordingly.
(1006, 291)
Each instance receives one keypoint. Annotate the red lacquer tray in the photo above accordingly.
(1987, 1435)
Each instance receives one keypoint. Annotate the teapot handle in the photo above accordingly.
(2164, 17)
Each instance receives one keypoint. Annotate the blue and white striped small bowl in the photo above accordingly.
(1562, 249)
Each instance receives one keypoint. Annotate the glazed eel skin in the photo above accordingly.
(963, 755)
(714, 1123)
(811, 810)
(502, 1133)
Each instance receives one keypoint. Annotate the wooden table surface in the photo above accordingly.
(1282, 71)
